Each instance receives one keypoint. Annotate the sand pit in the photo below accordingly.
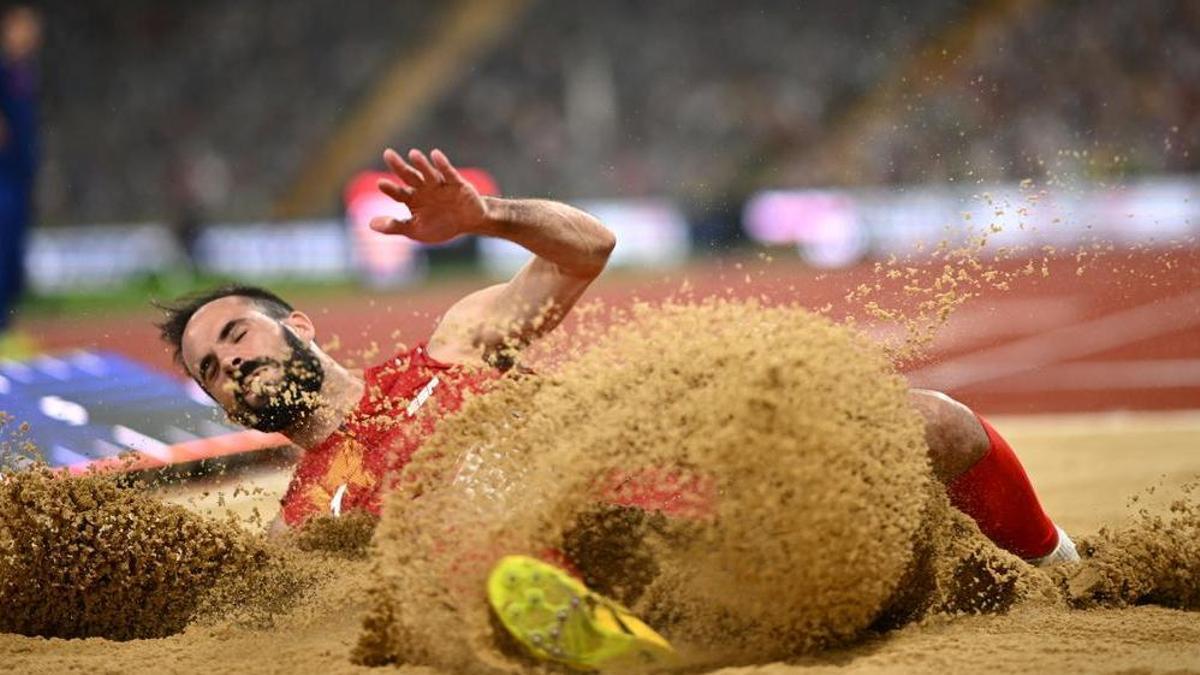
(867, 596)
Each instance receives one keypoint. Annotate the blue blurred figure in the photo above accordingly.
(20, 39)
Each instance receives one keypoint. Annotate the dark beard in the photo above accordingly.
(297, 395)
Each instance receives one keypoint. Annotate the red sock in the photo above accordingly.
(996, 492)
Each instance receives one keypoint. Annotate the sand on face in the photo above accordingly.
(321, 630)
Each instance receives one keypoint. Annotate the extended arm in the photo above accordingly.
(570, 249)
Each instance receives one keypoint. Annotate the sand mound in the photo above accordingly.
(84, 556)
(80, 556)
(1156, 560)
(347, 537)
(789, 470)
(959, 571)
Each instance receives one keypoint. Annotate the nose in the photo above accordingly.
(232, 363)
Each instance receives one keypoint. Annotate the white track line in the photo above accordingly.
(1010, 318)
(1088, 337)
(1108, 375)
(1111, 422)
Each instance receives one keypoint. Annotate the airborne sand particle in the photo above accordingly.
(806, 488)
(790, 434)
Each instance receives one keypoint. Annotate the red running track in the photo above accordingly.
(1123, 334)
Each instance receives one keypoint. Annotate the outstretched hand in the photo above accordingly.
(443, 204)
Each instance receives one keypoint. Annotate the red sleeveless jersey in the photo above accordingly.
(403, 401)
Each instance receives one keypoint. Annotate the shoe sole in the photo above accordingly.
(557, 618)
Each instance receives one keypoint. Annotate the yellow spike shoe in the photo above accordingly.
(558, 619)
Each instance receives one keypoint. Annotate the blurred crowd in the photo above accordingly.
(677, 97)
(1067, 91)
(193, 111)
(711, 99)
(184, 111)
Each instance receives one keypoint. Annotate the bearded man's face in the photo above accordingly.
(263, 374)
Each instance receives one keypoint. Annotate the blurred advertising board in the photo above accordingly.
(824, 225)
(382, 260)
(95, 256)
(92, 256)
(838, 227)
(299, 250)
(650, 233)
(828, 227)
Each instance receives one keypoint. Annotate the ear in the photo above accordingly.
(302, 325)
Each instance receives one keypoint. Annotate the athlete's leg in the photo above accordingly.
(956, 439)
(985, 480)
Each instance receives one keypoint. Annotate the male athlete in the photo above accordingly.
(257, 357)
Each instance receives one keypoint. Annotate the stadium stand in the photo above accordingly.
(1061, 91)
(153, 108)
(695, 99)
(581, 101)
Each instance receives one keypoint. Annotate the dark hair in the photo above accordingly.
(177, 313)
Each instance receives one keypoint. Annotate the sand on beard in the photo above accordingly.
(799, 471)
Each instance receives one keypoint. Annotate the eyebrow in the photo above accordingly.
(229, 326)
(210, 358)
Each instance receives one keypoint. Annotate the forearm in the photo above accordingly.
(571, 239)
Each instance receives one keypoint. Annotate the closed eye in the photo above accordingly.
(206, 368)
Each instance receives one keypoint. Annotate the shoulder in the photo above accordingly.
(463, 332)
(398, 363)
(398, 378)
